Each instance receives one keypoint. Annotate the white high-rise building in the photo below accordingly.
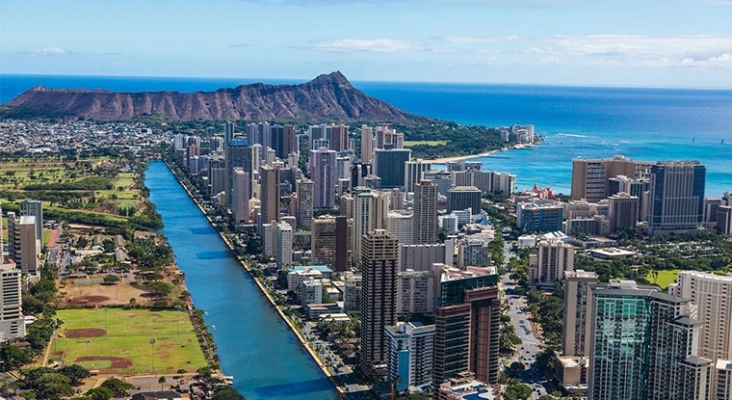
(323, 170)
(712, 296)
(304, 202)
(400, 225)
(413, 173)
(549, 263)
(12, 323)
(410, 347)
(283, 252)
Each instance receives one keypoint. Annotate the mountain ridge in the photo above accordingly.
(326, 98)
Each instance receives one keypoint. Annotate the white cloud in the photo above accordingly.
(723, 61)
(478, 39)
(49, 50)
(369, 45)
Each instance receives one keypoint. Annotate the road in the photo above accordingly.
(526, 353)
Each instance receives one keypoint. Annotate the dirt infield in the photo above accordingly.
(88, 299)
(84, 333)
(117, 362)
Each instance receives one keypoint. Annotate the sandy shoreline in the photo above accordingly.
(486, 154)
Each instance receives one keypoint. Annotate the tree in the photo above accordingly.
(516, 368)
(53, 386)
(161, 381)
(546, 397)
(227, 393)
(160, 288)
(111, 279)
(13, 356)
(100, 393)
(118, 387)
(75, 372)
(133, 302)
(516, 392)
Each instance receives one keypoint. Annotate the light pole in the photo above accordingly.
(105, 322)
(152, 343)
(87, 341)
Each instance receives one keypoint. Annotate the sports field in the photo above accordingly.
(125, 346)
(665, 278)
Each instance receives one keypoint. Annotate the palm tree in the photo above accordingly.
(161, 381)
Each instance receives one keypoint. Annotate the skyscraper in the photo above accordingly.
(467, 324)
(12, 324)
(364, 217)
(676, 201)
(379, 268)
(238, 155)
(323, 170)
(23, 245)
(338, 135)
(642, 346)
(410, 346)
(389, 165)
(240, 196)
(304, 202)
(712, 296)
(367, 145)
(464, 197)
(623, 211)
(413, 171)
(399, 223)
(577, 305)
(590, 177)
(270, 193)
(424, 219)
(552, 258)
(283, 252)
(228, 133)
(33, 208)
(284, 140)
(331, 241)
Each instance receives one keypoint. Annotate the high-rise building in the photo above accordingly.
(283, 252)
(643, 346)
(531, 217)
(413, 171)
(367, 145)
(712, 296)
(23, 245)
(577, 306)
(547, 266)
(338, 135)
(33, 208)
(331, 241)
(676, 202)
(464, 197)
(590, 177)
(473, 251)
(12, 323)
(270, 193)
(623, 211)
(364, 217)
(284, 140)
(379, 269)
(399, 223)
(238, 155)
(228, 133)
(240, 196)
(467, 324)
(305, 198)
(424, 220)
(389, 165)
(410, 346)
(324, 174)
(724, 220)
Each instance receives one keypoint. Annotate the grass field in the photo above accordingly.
(14, 176)
(126, 349)
(410, 143)
(665, 278)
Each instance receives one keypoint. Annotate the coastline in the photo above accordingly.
(328, 374)
(446, 160)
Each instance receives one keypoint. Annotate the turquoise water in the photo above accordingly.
(590, 122)
(254, 344)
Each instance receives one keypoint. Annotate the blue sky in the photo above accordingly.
(576, 42)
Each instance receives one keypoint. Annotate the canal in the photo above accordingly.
(254, 344)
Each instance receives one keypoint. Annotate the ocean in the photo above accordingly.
(589, 122)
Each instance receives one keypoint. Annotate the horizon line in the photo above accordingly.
(305, 80)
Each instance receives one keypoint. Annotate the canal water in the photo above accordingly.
(254, 344)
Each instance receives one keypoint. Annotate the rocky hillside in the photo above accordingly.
(327, 98)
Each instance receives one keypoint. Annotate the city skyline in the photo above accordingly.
(686, 44)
